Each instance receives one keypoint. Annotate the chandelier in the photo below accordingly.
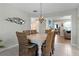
(41, 18)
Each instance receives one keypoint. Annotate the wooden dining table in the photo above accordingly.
(37, 39)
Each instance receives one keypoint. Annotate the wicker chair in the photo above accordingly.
(33, 31)
(46, 31)
(46, 47)
(53, 40)
(28, 32)
(25, 47)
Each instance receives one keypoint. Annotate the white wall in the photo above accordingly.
(8, 29)
(78, 27)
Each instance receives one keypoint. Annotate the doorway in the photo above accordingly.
(63, 27)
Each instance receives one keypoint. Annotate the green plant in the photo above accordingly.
(1, 46)
(0, 40)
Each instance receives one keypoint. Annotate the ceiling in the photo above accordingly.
(47, 8)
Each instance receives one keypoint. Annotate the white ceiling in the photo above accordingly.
(46, 7)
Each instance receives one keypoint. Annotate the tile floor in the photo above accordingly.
(63, 47)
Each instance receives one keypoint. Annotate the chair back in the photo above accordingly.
(33, 31)
(46, 31)
(49, 42)
(53, 40)
(28, 32)
(22, 38)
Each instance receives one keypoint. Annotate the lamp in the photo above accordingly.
(41, 18)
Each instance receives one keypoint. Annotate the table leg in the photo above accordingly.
(39, 50)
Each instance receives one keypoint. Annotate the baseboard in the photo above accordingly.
(4, 49)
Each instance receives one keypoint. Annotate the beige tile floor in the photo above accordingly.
(63, 47)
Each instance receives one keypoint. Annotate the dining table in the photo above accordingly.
(38, 39)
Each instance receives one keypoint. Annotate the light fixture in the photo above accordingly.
(16, 20)
(41, 18)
